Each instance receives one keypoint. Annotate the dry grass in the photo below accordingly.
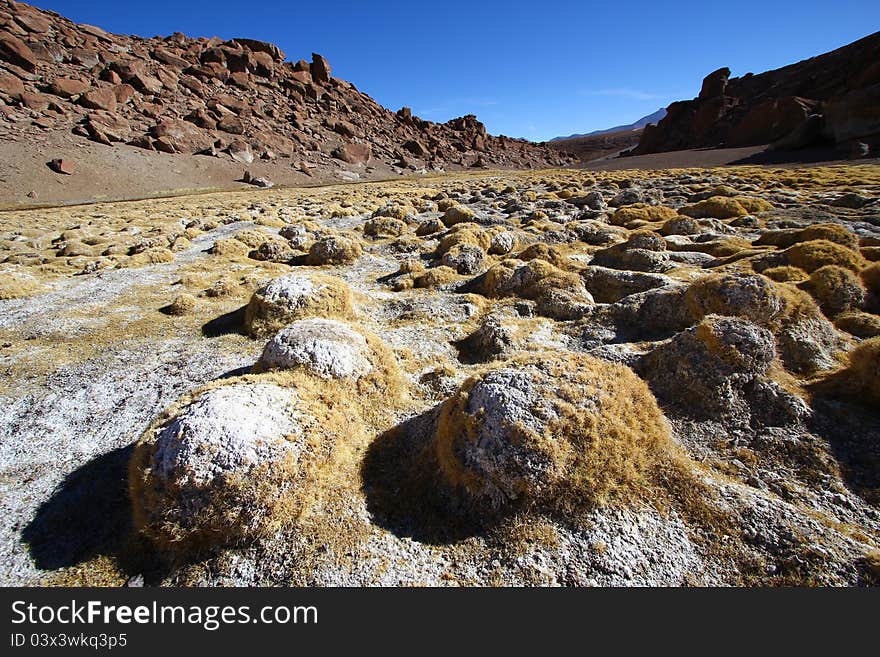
(814, 254)
(836, 289)
(331, 298)
(716, 207)
(609, 451)
(864, 371)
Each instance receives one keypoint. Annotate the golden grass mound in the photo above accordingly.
(230, 247)
(434, 277)
(465, 234)
(863, 373)
(836, 289)
(814, 254)
(560, 429)
(750, 296)
(871, 253)
(457, 214)
(871, 278)
(640, 212)
(154, 256)
(230, 463)
(831, 232)
(806, 340)
(558, 294)
(384, 227)
(786, 274)
(296, 296)
(183, 304)
(334, 250)
(754, 204)
(716, 207)
(858, 323)
(332, 349)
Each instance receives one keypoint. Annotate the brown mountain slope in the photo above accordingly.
(833, 98)
(591, 147)
(238, 100)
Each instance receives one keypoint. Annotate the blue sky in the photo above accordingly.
(534, 69)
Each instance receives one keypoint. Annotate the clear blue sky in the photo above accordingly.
(534, 69)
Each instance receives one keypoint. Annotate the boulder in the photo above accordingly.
(67, 87)
(319, 68)
(99, 99)
(11, 85)
(15, 51)
(183, 136)
(61, 166)
(353, 153)
(261, 46)
(240, 151)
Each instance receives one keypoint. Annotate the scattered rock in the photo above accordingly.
(61, 166)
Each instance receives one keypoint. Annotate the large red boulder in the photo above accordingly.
(319, 68)
(11, 85)
(99, 99)
(261, 46)
(15, 51)
(67, 87)
(353, 153)
(182, 135)
(32, 21)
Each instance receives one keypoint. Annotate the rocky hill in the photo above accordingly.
(589, 148)
(831, 98)
(239, 99)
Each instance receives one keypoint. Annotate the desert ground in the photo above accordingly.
(556, 377)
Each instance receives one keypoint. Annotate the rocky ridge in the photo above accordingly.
(833, 98)
(238, 99)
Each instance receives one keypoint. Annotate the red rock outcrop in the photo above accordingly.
(185, 95)
(833, 98)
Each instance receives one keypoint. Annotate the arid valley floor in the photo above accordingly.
(540, 378)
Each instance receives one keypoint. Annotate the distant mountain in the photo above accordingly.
(641, 123)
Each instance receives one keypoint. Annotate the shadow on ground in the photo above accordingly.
(852, 430)
(88, 514)
(405, 494)
(231, 322)
(804, 156)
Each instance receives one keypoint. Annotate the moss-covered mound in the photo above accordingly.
(227, 464)
(558, 294)
(562, 429)
(296, 296)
